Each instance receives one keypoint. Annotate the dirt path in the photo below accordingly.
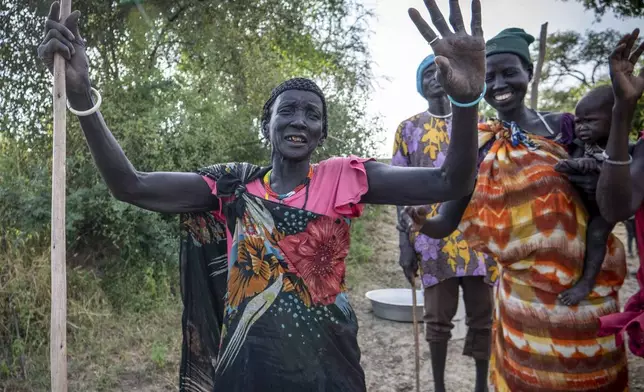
(388, 347)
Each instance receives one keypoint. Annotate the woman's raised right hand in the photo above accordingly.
(64, 39)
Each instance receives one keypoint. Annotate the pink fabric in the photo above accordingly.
(335, 190)
(631, 321)
(219, 214)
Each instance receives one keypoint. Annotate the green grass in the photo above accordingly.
(124, 323)
(115, 350)
(361, 250)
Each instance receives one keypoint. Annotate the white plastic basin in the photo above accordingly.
(396, 304)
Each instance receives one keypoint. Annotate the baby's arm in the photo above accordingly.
(578, 166)
(596, 238)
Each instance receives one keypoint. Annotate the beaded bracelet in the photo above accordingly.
(469, 105)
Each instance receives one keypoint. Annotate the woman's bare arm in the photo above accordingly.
(447, 220)
(620, 189)
(159, 191)
(429, 185)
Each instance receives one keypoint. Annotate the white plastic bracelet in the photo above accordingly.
(617, 163)
(88, 111)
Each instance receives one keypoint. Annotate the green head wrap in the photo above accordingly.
(513, 40)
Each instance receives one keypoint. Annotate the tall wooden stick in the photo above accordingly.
(416, 343)
(536, 78)
(58, 327)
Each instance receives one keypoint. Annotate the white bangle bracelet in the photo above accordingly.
(82, 113)
(617, 163)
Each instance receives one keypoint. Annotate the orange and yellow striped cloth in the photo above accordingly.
(533, 221)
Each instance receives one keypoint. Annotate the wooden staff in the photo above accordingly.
(416, 344)
(58, 327)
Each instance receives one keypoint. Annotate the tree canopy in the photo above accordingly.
(621, 8)
(183, 84)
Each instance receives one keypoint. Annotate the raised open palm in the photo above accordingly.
(460, 57)
(627, 86)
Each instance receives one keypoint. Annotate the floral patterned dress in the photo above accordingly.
(286, 322)
(422, 141)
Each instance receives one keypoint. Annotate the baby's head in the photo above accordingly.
(593, 115)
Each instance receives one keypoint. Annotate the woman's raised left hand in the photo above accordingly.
(460, 57)
(627, 87)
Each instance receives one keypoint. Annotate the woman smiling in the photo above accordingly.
(508, 74)
(281, 321)
(532, 219)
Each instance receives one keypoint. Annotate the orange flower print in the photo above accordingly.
(253, 270)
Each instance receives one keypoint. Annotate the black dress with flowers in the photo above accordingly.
(282, 320)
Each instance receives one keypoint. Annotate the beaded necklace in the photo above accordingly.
(271, 193)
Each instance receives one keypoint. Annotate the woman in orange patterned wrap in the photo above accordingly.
(532, 219)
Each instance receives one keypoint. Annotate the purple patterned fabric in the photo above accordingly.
(480, 268)
(411, 136)
(429, 280)
(427, 247)
(567, 130)
(440, 159)
(422, 141)
(399, 159)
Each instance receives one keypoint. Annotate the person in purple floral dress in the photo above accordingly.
(446, 264)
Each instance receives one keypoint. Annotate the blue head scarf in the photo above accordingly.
(429, 60)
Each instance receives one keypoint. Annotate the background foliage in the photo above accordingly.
(622, 8)
(183, 84)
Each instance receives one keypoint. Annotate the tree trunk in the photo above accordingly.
(534, 92)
